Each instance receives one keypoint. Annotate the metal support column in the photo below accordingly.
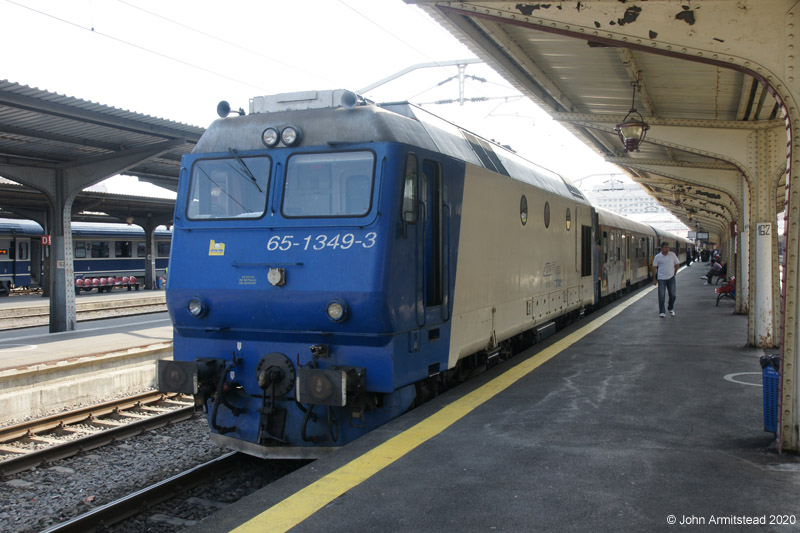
(62, 274)
(150, 253)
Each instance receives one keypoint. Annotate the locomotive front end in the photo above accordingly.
(284, 329)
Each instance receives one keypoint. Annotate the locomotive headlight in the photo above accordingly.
(290, 136)
(270, 137)
(337, 310)
(197, 307)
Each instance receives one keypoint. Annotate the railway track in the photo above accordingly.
(30, 444)
(133, 504)
(21, 317)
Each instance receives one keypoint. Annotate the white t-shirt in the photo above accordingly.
(665, 264)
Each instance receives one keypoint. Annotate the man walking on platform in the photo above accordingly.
(665, 266)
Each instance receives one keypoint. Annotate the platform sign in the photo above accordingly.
(46, 240)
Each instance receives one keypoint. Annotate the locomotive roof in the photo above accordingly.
(325, 122)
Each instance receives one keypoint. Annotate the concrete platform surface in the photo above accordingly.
(633, 426)
(36, 300)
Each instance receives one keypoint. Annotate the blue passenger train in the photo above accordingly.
(335, 261)
(100, 251)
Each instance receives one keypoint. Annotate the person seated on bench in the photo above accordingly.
(716, 270)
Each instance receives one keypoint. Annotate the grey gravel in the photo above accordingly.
(34, 500)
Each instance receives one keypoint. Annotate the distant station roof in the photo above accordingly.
(89, 206)
(40, 128)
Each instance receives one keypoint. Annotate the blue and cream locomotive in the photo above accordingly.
(334, 260)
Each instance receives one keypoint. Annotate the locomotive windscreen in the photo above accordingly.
(229, 188)
(329, 185)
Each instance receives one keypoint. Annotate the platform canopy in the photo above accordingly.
(58, 146)
(716, 84)
(47, 130)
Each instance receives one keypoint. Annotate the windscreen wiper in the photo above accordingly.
(244, 166)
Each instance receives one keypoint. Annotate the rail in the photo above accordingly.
(16, 317)
(30, 444)
(130, 505)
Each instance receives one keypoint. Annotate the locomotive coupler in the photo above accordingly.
(275, 375)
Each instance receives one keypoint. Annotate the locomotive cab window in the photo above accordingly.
(233, 187)
(411, 191)
(328, 185)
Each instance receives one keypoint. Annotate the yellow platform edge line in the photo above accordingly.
(302, 504)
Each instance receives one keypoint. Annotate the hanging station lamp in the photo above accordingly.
(633, 128)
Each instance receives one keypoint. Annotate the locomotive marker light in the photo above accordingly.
(270, 137)
(337, 310)
(632, 131)
(197, 307)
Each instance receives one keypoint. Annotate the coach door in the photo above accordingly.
(628, 256)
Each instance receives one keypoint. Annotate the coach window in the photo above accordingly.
(23, 251)
(80, 250)
(122, 248)
(523, 210)
(611, 247)
(141, 249)
(99, 249)
(163, 249)
(569, 219)
(547, 214)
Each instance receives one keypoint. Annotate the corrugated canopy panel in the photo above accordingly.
(40, 128)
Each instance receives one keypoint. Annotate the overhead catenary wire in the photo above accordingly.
(139, 47)
(224, 41)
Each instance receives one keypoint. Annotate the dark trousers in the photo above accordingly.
(667, 285)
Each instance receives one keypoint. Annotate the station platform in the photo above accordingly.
(36, 300)
(24, 347)
(623, 421)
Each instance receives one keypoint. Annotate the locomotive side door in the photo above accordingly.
(433, 242)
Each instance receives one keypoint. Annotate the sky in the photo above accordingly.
(176, 60)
